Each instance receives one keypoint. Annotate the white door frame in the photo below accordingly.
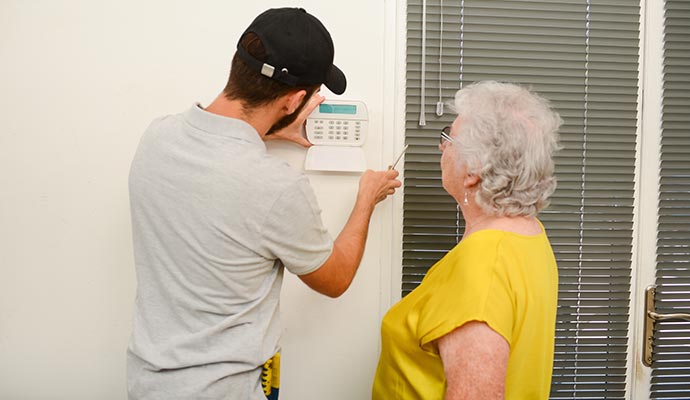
(647, 188)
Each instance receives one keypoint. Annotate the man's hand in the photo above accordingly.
(374, 186)
(296, 132)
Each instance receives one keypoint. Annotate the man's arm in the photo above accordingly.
(337, 272)
(475, 360)
(335, 275)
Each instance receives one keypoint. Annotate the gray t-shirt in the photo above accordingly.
(214, 220)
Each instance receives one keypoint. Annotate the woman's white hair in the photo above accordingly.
(507, 136)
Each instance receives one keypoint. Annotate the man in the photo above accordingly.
(216, 220)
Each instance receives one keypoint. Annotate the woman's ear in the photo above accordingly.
(471, 180)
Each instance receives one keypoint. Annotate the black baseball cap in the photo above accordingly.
(299, 49)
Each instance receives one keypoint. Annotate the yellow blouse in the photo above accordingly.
(507, 280)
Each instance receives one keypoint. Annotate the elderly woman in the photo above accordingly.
(481, 324)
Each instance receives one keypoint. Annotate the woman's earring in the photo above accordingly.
(464, 201)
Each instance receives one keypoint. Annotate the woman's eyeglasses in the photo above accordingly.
(445, 136)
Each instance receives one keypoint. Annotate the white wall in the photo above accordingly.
(79, 82)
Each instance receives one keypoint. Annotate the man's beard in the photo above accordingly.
(288, 119)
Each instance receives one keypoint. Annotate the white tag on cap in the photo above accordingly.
(268, 70)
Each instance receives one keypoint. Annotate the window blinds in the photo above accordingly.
(583, 56)
(671, 361)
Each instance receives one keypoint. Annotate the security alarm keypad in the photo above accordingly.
(337, 129)
(338, 124)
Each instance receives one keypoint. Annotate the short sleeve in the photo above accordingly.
(294, 232)
(469, 284)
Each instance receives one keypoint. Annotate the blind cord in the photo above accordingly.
(422, 105)
(439, 104)
(582, 199)
(462, 38)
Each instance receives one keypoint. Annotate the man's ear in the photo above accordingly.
(293, 101)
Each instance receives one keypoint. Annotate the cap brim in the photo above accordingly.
(335, 80)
